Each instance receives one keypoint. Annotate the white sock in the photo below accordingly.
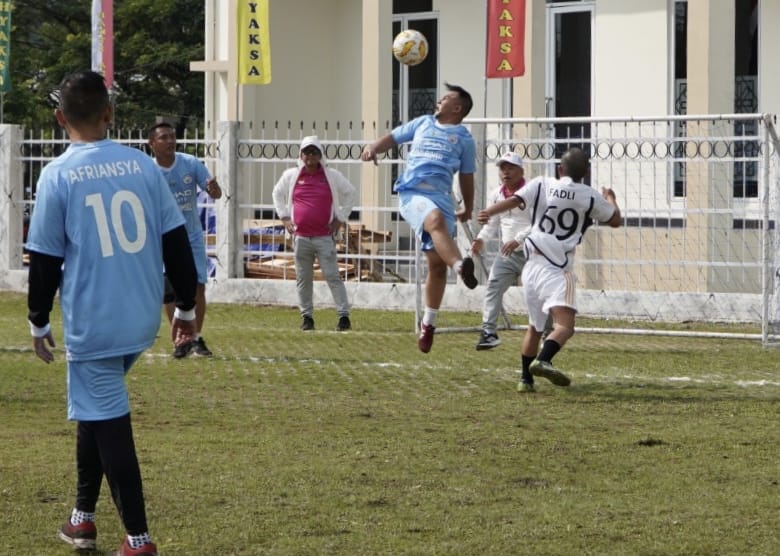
(137, 541)
(77, 517)
(456, 266)
(429, 316)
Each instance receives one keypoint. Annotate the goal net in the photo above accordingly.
(697, 248)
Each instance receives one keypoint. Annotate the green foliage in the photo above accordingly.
(154, 43)
(355, 443)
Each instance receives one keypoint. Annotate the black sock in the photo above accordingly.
(549, 349)
(526, 375)
(114, 439)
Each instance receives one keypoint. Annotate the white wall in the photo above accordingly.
(631, 53)
(315, 64)
(318, 66)
(462, 53)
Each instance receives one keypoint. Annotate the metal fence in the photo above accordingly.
(698, 196)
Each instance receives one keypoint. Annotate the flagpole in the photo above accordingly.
(506, 107)
(484, 110)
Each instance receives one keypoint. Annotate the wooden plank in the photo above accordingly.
(285, 268)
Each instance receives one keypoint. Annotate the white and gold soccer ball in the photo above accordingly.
(410, 47)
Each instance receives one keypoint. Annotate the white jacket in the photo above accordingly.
(343, 192)
(513, 224)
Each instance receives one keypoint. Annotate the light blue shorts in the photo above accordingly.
(199, 254)
(416, 206)
(97, 389)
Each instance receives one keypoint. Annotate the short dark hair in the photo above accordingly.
(463, 96)
(574, 163)
(83, 97)
(151, 131)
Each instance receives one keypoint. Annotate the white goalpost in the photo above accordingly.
(698, 245)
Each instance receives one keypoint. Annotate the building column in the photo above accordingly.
(230, 239)
(709, 183)
(11, 197)
(220, 66)
(528, 89)
(377, 85)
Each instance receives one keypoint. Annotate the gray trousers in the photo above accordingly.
(324, 250)
(504, 273)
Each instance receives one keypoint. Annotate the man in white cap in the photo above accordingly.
(511, 227)
(314, 201)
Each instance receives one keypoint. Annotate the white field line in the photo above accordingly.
(426, 365)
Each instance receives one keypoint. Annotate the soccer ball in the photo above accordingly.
(410, 47)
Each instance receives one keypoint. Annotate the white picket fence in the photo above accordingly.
(699, 196)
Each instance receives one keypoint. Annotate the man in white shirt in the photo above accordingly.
(561, 210)
(511, 227)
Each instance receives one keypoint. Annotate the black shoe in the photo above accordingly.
(467, 273)
(199, 348)
(343, 324)
(308, 323)
(182, 350)
(487, 340)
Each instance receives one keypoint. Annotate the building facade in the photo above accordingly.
(332, 60)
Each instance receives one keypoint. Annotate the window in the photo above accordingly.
(745, 183)
(412, 6)
(680, 92)
(745, 96)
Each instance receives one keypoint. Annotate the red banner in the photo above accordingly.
(505, 38)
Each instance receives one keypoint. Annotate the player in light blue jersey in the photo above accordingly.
(104, 222)
(561, 210)
(186, 175)
(441, 146)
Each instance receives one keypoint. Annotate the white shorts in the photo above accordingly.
(546, 286)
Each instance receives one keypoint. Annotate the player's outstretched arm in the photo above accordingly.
(381, 145)
(497, 208)
(616, 219)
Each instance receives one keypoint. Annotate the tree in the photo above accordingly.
(154, 42)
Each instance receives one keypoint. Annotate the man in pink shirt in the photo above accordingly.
(314, 201)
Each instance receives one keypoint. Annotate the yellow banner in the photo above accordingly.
(254, 43)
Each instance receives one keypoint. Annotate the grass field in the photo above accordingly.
(356, 444)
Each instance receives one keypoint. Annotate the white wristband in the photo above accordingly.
(184, 315)
(39, 332)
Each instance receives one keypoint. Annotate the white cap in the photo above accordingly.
(512, 158)
(311, 141)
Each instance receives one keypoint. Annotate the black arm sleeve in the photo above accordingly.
(43, 280)
(180, 267)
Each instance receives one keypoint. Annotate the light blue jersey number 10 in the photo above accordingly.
(95, 201)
